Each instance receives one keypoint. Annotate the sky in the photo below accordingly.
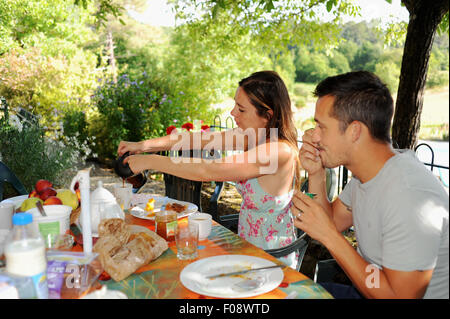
(159, 13)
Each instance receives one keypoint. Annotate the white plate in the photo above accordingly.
(139, 212)
(142, 199)
(17, 200)
(193, 276)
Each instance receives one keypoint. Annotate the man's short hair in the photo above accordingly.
(360, 96)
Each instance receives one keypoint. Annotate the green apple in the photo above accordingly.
(29, 203)
(68, 198)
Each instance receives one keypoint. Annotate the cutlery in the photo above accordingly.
(41, 209)
(243, 271)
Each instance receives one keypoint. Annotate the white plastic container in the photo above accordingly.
(25, 253)
(56, 223)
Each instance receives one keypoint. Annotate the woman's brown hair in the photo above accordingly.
(267, 91)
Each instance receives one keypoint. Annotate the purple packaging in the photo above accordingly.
(55, 278)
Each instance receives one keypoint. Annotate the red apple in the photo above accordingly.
(42, 184)
(53, 200)
(46, 193)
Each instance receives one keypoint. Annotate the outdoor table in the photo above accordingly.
(160, 278)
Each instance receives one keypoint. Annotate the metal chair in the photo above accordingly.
(7, 175)
(231, 221)
(326, 271)
(180, 188)
(300, 245)
(331, 183)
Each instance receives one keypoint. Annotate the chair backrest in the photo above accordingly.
(7, 175)
(300, 245)
(331, 183)
(180, 188)
(443, 171)
(326, 270)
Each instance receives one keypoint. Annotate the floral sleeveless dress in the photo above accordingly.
(266, 220)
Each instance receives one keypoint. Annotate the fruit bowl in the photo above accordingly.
(17, 200)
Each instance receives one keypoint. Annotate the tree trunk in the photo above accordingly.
(424, 18)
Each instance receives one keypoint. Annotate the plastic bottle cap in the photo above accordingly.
(22, 218)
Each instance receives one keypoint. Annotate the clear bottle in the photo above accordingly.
(25, 253)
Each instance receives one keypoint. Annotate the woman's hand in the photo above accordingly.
(309, 155)
(132, 147)
(137, 163)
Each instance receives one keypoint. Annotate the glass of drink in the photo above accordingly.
(123, 193)
(186, 238)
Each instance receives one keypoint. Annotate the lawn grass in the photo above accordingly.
(434, 119)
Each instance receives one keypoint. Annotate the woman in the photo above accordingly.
(265, 171)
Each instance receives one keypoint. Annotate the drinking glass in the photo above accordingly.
(186, 238)
(123, 193)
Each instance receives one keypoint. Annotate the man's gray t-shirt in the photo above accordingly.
(401, 220)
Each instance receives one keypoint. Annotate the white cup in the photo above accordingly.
(6, 212)
(123, 194)
(204, 222)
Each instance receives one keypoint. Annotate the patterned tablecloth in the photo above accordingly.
(161, 278)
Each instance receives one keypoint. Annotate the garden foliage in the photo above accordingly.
(31, 155)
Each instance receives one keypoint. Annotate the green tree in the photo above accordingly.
(43, 64)
(206, 60)
(339, 62)
(425, 19)
(389, 72)
(366, 57)
(294, 22)
(359, 33)
(283, 63)
(348, 49)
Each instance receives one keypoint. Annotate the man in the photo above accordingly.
(398, 208)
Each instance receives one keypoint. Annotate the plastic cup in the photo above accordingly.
(186, 239)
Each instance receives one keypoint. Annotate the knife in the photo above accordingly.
(243, 271)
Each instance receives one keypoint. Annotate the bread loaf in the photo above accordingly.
(122, 251)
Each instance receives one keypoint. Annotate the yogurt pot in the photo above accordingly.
(57, 221)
